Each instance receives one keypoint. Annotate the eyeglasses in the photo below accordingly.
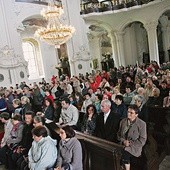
(131, 112)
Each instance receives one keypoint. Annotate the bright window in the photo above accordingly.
(32, 56)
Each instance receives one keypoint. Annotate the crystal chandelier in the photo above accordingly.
(54, 33)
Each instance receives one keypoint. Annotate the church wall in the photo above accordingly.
(116, 21)
(11, 16)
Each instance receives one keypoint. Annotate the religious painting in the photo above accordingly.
(95, 63)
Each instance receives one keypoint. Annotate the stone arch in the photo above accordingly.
(101, 33)
(125, 24)
(136, 47)
(161, 12)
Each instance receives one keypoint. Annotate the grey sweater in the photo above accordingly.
(70, 152)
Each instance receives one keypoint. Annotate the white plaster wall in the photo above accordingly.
(49, 57)
(11, 16)
(47, 52)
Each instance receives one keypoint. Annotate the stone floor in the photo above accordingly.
(165, 164)
(2, 167)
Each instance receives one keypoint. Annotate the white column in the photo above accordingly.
(120, 48)
(114, 48)
(165, 36)
(95, 47)
(78, 49)
(152, 40)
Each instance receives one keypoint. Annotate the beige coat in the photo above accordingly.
(137, 136)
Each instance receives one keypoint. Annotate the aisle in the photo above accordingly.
(2, 167)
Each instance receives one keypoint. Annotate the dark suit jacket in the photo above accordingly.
(108, 130)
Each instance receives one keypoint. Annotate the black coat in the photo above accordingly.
(108, 130)
(27, 139)
(49, 112)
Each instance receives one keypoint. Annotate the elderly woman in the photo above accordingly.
(26, 105)
(70, 151)
(43, 152)
(132, 135)
(140, 92)
(40, 121)
(154, 99)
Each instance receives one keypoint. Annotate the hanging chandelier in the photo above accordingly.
(55, 33)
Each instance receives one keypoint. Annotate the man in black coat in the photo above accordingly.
(107, 123)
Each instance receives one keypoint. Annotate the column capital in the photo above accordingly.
(119, 33)
(111, 32)
(151, 25)
(93, 35)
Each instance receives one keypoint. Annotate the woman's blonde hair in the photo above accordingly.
(16, 101)
(25, 99)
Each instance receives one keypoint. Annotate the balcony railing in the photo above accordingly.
(41, 2)
(89, 6)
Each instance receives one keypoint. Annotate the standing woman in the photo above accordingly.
(70, 151)
(132, 135)
(43, 152)
(89, 120)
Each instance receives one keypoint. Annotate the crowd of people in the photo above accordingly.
(115, 106)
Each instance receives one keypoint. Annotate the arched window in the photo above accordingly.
(33, 57)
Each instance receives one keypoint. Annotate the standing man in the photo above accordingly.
(107, 123)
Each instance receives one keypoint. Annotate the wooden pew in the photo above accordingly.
(99, 154)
